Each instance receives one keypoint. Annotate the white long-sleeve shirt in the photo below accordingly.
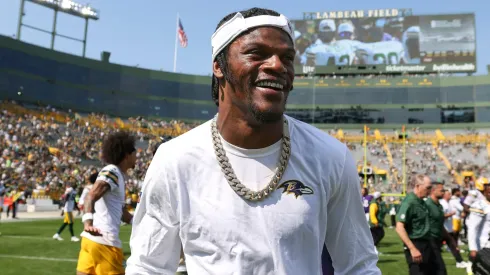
(447, 208)
(478, 224)
(186, 198)
(455, 203)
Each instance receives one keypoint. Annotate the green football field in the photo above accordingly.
(28, 248)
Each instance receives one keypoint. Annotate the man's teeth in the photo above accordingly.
(270, 84)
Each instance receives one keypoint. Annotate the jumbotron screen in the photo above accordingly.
(411, 44)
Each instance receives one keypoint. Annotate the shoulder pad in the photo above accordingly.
(111, 172)
(473, 193)
(477, 207)
(110, 167)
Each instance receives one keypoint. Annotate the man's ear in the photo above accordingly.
(217, 70)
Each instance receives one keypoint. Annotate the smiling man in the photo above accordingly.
(252, 191)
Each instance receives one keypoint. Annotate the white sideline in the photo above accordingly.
(38, 258)
(75, 260)
(35, 238)
(401, 255)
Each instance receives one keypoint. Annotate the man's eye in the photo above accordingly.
(254, 52)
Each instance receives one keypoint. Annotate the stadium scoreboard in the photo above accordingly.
(384, 42)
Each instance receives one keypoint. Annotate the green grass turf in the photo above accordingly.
(21, 240)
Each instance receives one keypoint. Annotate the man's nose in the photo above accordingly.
(275, 63)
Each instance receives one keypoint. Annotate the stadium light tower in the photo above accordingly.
(67, 6)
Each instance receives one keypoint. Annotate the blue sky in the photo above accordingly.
(143, 32)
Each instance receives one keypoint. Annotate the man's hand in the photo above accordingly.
(89, 228)
(416, 255)
(473, 255)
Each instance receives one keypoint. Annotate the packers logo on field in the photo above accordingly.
(295, 187)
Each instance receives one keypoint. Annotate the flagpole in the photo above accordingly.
(176, 42)
(365, 155)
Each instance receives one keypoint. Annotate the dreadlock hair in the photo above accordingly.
(117, 146)
(222, 57)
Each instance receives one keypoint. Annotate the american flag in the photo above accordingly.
(182, 36)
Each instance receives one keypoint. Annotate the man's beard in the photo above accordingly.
(263, 117)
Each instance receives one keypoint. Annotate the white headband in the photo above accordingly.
(225, 34)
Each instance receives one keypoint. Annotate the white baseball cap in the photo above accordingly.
(327, 25)
(345, 27)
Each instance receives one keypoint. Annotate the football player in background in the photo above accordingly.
(471, 197)
(341, 51)
(101, 248)
(326, 32)
(382, 47)
(474, 195)
(366, 200)
(478, 224)
(411, 40)
(69, 195)
(376, 218)
(324, 36)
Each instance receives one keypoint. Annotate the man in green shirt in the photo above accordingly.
(438, 231)
(413, 227)
(436, 212)
(436, 221)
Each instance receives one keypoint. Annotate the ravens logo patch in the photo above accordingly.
(295, 187)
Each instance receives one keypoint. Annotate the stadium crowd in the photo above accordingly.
(44, 150)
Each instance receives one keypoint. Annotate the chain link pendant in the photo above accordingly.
(229, 173)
